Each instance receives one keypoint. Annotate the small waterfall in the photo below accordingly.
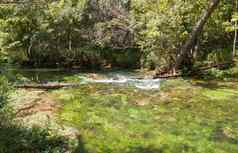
(141, 83)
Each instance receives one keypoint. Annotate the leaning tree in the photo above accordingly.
(196, 32)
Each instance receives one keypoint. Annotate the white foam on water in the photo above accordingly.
(110, 81)
(143, 84)
(148, 84)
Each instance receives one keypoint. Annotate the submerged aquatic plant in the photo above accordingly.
(183, 117)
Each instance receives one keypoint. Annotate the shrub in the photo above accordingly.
(3, 90)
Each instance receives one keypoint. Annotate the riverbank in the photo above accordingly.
(184, 115)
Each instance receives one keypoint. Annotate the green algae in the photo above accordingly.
(185, 116)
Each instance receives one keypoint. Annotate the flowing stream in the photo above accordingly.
(121, 78)
(118, 79)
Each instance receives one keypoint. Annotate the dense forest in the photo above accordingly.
(118, 76)
(127, 33)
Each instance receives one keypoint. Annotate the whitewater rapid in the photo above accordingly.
(141, 83)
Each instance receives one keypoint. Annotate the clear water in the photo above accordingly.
(128, 80)
(121, 78)
(123, 111)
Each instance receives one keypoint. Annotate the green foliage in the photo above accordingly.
(160, 28)
(16, 138)
(230, 26)
(219, 55)
(57, 33)
(64, 33)
(4, 88)
(29, 140)
(227, 74)
(163, 26)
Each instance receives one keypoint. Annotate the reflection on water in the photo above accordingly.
(38, 75)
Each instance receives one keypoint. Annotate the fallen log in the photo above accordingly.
(165, 76)
(219, 65)
(47, 86)
(202, 69)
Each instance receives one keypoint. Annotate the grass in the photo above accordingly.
(186, 116)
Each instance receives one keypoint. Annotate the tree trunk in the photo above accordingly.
(189, 44)
(235, 36)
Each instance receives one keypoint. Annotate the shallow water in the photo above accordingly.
(128, 80)
(121, 78)
(113, 114)
(203, 116)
